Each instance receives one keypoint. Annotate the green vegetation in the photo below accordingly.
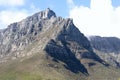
(34, 68)
(19, 76)
(37, 67)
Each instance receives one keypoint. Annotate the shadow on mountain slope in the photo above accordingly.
(64, 54)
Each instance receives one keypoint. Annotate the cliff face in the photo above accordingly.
(70, 46)
(44, 26)
(19, 35)
(108, 48)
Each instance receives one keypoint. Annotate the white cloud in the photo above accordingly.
(100, 19)
(14, 14)
(7, 17)
(12, 2)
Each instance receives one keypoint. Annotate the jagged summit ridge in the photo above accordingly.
(48, 13)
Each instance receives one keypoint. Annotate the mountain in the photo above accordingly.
(108, 48)
(46, 47)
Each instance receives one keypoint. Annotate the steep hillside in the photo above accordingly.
(108, 48)
(46, 47)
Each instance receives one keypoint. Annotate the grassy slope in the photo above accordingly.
(100, 72)
(39, 68)
(35, 68)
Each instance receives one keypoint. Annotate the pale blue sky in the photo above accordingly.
(61, 7)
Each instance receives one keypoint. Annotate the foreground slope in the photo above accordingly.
(46, 47)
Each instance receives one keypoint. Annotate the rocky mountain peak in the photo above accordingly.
(56, 36)
(48, 13)
(46, 45)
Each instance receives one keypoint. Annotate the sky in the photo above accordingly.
(92, 17)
